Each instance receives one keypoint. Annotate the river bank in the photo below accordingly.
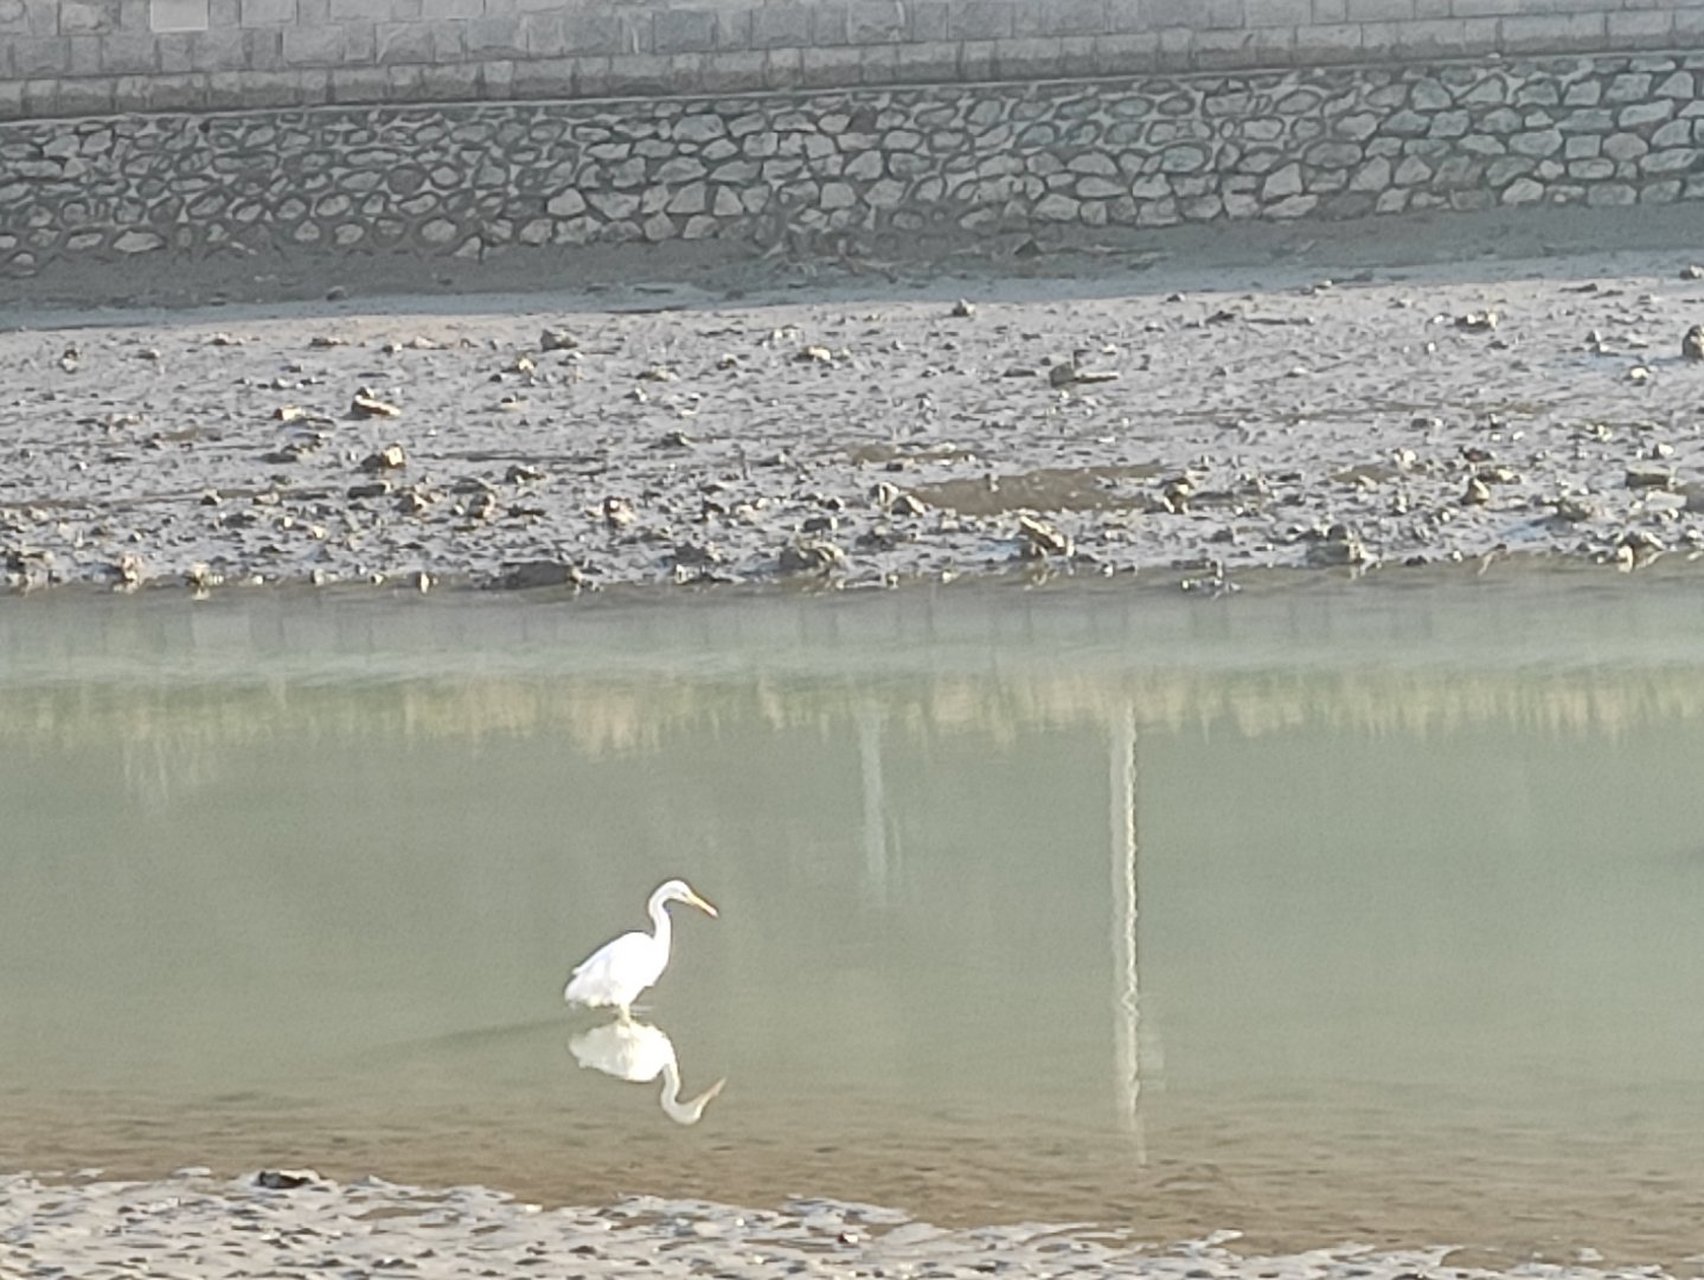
(290, 1223)
(1380, 395)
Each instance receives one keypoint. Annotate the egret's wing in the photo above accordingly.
(613, 957)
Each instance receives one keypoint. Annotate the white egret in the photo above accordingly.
(618, 971)
(639, 1052)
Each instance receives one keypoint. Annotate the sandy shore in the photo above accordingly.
(1396, 394)
(294, 1224)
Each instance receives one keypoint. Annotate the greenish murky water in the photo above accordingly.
(1368, 912)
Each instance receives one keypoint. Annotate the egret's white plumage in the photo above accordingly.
(618, 971)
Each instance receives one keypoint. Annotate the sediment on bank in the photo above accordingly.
(1087, 424)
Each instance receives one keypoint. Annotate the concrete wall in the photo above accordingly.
(90, 57)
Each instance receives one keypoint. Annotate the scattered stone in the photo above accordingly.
(202, 578)
(481, 505)
(389, 458)
(1692, 344)
(521, 473)
(1340, 545)
(813, 355)
(1477, 493)
(695, 555)
(1693, 272)
(617, 512)
(1637, 548)
(372, 489)
(367, 404)
(557, 340)
(1041, 539)
(963, 310)
(1175, 495)
(324, 340)
(531, 575)
(1660, 478)
(127, 572)
(285, 1179)
(1478, 321)
(813, 555)
(1575, 510)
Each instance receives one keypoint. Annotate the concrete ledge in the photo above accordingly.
(546, 55)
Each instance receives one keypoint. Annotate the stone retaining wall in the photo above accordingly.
(478, 179)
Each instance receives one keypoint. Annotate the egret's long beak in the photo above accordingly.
(702, 905)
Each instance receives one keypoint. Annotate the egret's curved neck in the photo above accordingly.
(691, 1110)
(660, 922)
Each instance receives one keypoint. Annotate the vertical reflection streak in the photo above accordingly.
(1126, 1004)
(869, 719)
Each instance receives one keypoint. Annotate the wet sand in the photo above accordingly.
(293, 1223)
(1378, 396)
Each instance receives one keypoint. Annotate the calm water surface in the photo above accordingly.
(1337, 912)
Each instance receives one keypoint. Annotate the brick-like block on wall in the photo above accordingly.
(129, 53)
(503, 37)
(1569, 31)
(40, 56)
(328, 46)
(87, 17)
(600, 35)
(981, 20)
(1280, 13)
(366, 10)
(876, 22)
(683, 30)
(266, 13)
(1380, 10)
(781, 26)
(1061, 18)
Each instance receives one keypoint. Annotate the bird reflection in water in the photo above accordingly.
(639, 1052)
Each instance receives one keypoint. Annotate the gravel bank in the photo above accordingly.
(287, 1224)
(1180, 408)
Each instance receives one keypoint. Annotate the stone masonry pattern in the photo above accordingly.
(99, 57)
(485, 178)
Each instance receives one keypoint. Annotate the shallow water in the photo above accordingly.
(1337, 911)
